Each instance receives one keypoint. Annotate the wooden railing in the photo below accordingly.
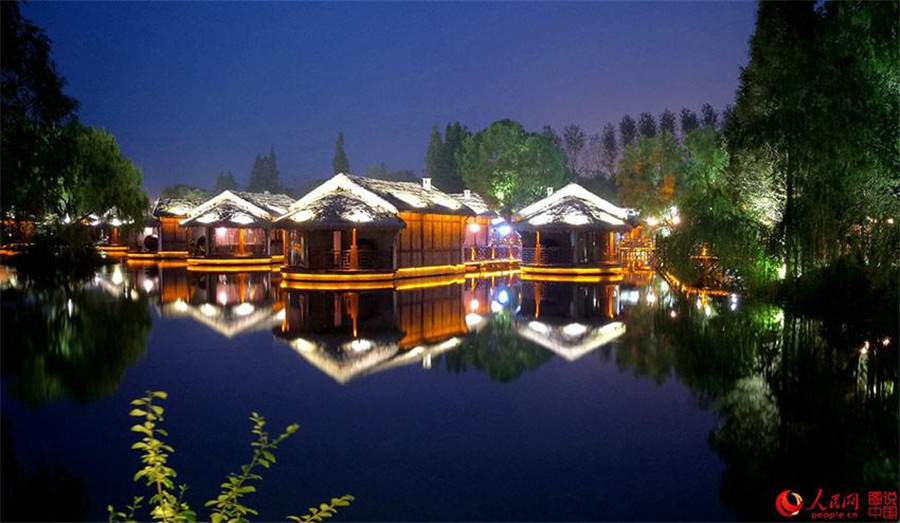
(546, 256)
(496, 252)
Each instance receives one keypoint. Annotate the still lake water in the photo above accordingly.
(475, 400)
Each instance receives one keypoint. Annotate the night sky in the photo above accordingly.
(192, 89)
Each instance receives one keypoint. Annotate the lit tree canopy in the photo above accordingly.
(510, 167)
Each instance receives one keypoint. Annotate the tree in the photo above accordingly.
(689, 121)
(550, 134)
(648, 174)
(610, 154)
(627, 131)
(34, 114)
(510, 167)
(434, 156)
(225, 182)
(450, 179)
(709, 117)
(667, 122)
(382, 172)
(647, 125)
(180, 190)
(593, 157)
(340, 163)
(573, 143)
(264, 175)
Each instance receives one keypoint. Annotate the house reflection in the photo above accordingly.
(569, 319)
(230, 303)
(347, 335)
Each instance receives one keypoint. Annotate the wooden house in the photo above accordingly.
(167, 238)
(235, 228)
(489, 242)
(571, 232)
(354, 229)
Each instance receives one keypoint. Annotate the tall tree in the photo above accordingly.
(33, 114)
(264, 175)
(689, 121)
(225, 182)
(449, 178)
(573, 143)
(510, 167)
(647, 125)
(434, 156)
(627, 131)
(550, 134)
(593, 157)
(340, 163)
(648, 174)
(610, 155)
(708, 116)
(180, 190)
(667, 122)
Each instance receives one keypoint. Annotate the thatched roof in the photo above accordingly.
(475, 202)
(175, 207)
(570, 340)
(238, 209)
(341, 209)
(229, 321)
(572, 207)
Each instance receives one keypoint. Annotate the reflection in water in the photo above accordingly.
(229, 303)
(796, 409)
(347, 335)
(569, 319)
(74, 341)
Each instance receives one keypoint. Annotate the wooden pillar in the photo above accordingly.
(537, 247)
(611, 242)
(115, 236)
(267, 239)
(354, 254)
(537, 300)
(241, 242)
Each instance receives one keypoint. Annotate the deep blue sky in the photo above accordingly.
(192, 89)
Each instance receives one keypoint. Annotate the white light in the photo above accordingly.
(474, 227)
(223, 297)
(885, 342)
(180, 305)
(573, 330)
(69, 307)
(733, 306)
(302, 345)
(651, 298)
(496, 307)
(207, 218)
(209, 310)
(503, 297)
(473, 305)
(281, 315)
(148, 285)
(244, 309)
(864, 351)
(67, 220)
(242, 219)
(890, 221)
(360, 345)
(782, 272)
(734, 297)
(576, 219)
(504, 230)
(472, 320)
(220, 231)
(538, 327)
(497, 220)
(115, 222)
(148, 231)
(179, 211)
(708, 310)
(117, 277)
(426, 361)
(302, 216)
(676, 220)
(673, 314)
(133, 294)
(699, 304)
(652, 222)
(663, 287)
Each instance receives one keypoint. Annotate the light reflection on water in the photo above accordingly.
(401, 364)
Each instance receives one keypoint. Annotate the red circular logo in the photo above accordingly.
(788, 503)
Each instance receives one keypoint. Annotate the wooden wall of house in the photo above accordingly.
(172, 236)
(430, 239)
(430, 315)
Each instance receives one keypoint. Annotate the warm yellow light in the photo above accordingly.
(885, 342)
(673, 314)
(652, 222)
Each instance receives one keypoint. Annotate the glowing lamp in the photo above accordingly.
(504, 230)
(223, 297)
(148, 231)
(503, 297)
(360, 345)
(652, 222)
(473, 305)
(474, 227)
(220, 231)
(148, 285)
